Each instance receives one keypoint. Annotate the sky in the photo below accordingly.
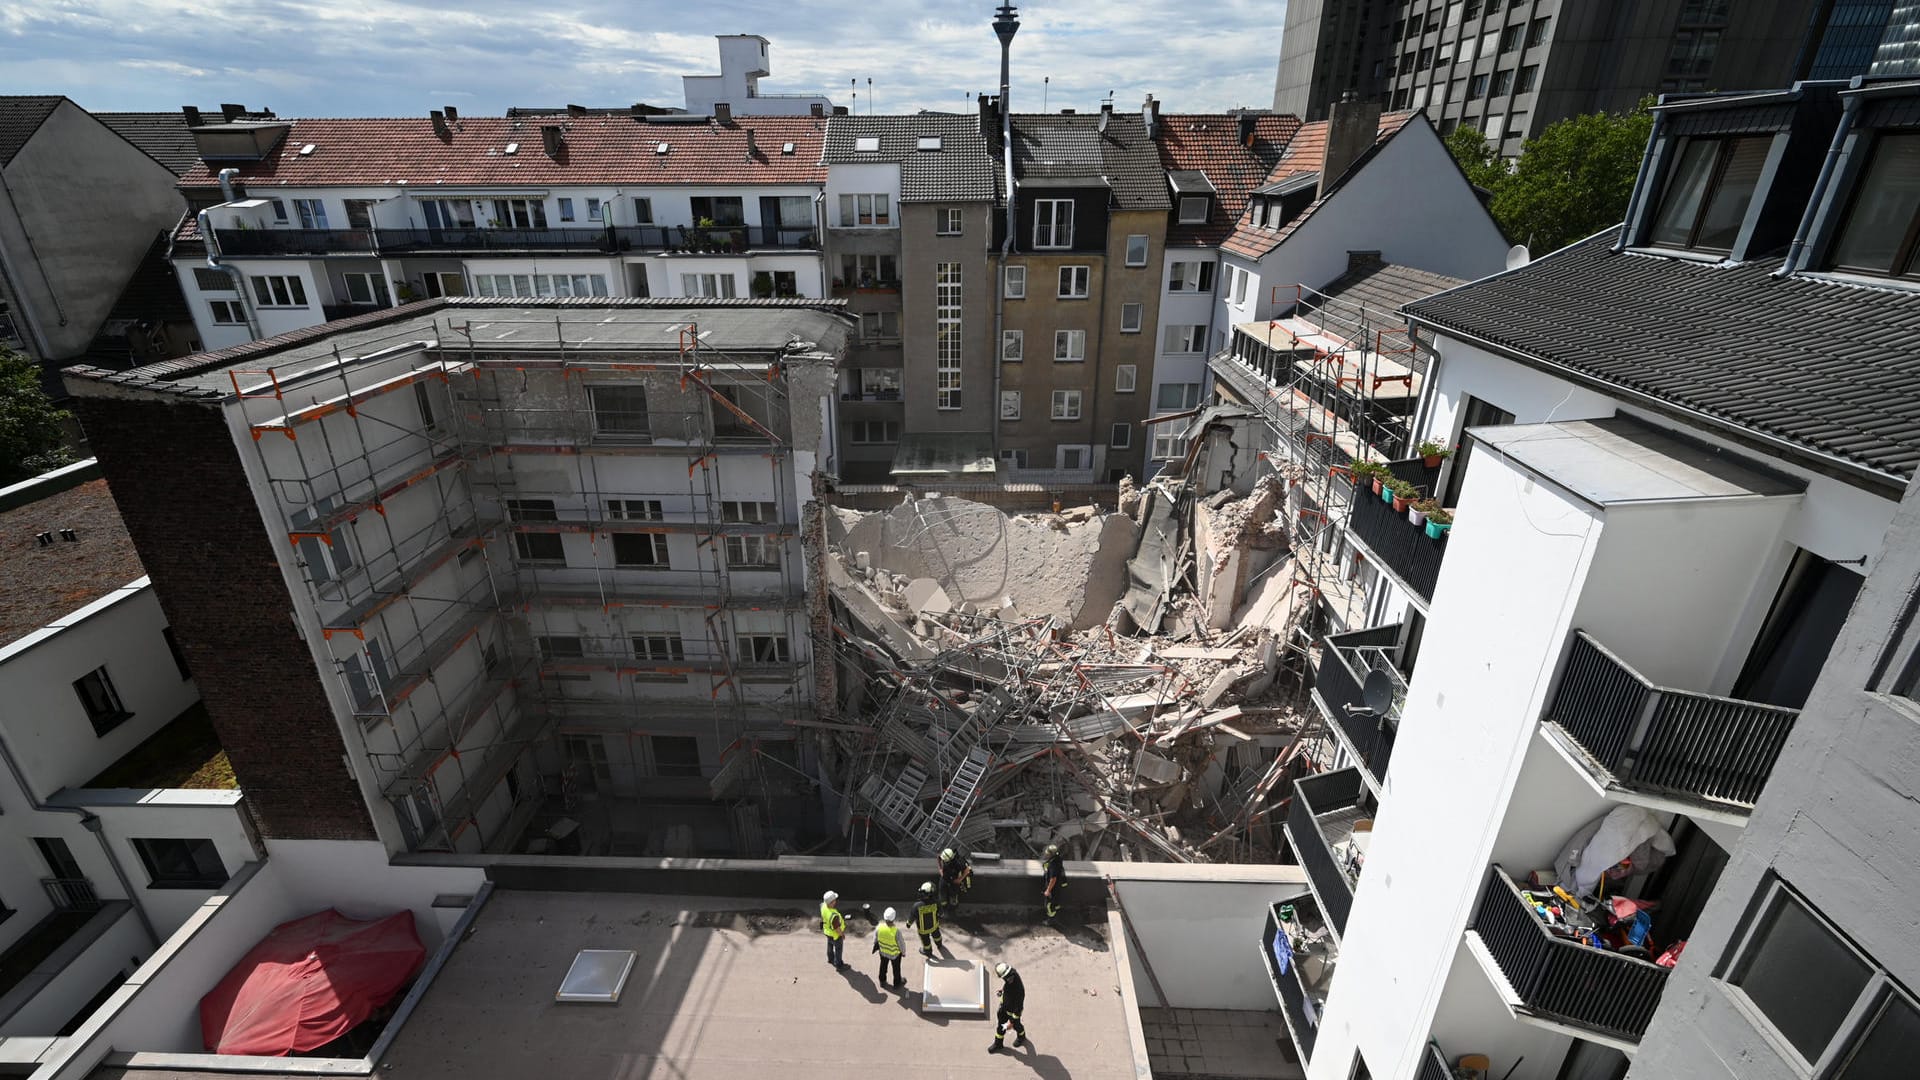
(404, 57)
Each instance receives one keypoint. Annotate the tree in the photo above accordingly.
(1570, 182)
(33, 433)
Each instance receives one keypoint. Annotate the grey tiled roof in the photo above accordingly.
(1384, 288)
(961, 170)
(20, 117)
(165, 136)
(1825, 366)
(1055, 147)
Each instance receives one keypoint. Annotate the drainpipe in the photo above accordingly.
(91, 822)
(213, 256)
(1837, 154)
(1005, 24)
(1640, 183)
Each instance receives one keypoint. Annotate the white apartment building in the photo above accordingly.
(295, 223)
(105, 851)
(743, 63)
(1656, 534)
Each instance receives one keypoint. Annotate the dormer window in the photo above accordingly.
(1708, 191)
(1259, 212)
(1193, 209)
(1878, 235)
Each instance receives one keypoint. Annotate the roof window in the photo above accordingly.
(1878, 234)
(1708, 191)
(513, 148)
(661, 148)
(929, 142)
(786, 148)
(867, 144)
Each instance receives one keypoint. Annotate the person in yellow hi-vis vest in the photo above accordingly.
(927, 920)
(886, 942)
(834, 925)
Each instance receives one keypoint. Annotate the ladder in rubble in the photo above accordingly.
(898, 803)
(956, 800)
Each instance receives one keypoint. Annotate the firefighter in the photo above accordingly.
(956, 877)
(1054, 884)
(834, 925)
(1013, 1001)
(886, 942)
(927, 919)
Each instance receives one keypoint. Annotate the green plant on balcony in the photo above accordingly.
(1438, 522)
(1403, 492)
(1368, 474)
(1420, 510)
(1433, 453)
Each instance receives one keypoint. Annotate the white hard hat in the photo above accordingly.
(926, 886)
(947, 855)
(887, 915)
(830, 897)
(1002, 968)
(1053, 849)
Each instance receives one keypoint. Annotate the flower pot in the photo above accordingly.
(1386, 495)
(1400, 503)
(1435, 530)
(1431, 461)
(1378, 483)
(1415, 515)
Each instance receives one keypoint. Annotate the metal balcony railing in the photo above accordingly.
(1433, 1066)
(413, 241)
(1403, 547)
(71, 894)
(1302, 1016)
(1656, 739)
(1338, 798)
(715, 238)
(1345, 660)
(1562, 979)
(294, 242)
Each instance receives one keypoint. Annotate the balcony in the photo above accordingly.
(1561, 979)
(1310, 955)
(71, 894)
(483, 241)
(1433, 1066)
(716, 239)
(1402, 547)
(1339, 680)
(1328, 826)
(294, 243)
(1653, 740)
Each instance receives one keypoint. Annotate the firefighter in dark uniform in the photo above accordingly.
(1013, 1001)
(926, 919)
(1054, 884)
(956, 877)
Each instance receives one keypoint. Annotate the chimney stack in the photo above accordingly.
(753, 148)
(551, 141)
(1150, 115)
(1352, 125)
(1106, 115)
(576, 110)
(440, 129)
(192, 113)
(839, 110)
(229, 112)
(723, 112)
(453, 114)
(817, 110)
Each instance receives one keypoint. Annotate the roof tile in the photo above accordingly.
(1210, 143)
(20, 117)
(1303, 156)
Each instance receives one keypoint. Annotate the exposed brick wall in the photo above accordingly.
(173, 470)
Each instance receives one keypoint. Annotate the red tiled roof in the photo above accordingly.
(1210, 143)
(598, 150)
(40, 584)
(1305, 154)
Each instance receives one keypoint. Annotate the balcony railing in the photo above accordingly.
(1300, 997)
(1659, 740)
(1402, 546)
(71, 894)
(294, 242)
(1322, 817)
(1433, 1066)
(413, 241)
(1559, 978)
(1345, 660)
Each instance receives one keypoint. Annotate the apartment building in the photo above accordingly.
(297, 222)
(544, 559)
(1509, 68)
(910, 208)
(1676, 545)
(116, 817)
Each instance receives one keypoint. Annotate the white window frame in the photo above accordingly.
(1016, 283)
(1082, 454)
(1132, 314)
(596, 210)
(279, 290)
(1067, 405)
(1167, 444)
(565, 208)
(1141, 242)
(1198, 279)
(1126, 378)
(1121, 437)
(1015, 458)
(1009, 405)
(1190, 394)
(366, 280)
(948, 280)
(866, 211)
(1240, 279)
(1069, 346)
(753, 552)
(1183, 338)
(313, 213)
(227, 312)
(721, 286)
(635, 510)
(1193, 209)
(1013, 346)
(949, 221)
(1075, 282)
(1052, 224)
(662, 559)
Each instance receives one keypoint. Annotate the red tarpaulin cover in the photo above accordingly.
(310, 982)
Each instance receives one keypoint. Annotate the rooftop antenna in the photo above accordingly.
(869, 95)
(1046, 85)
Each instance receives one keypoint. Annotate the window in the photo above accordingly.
(1177, 397)
(753, 552)
(775, 283)
(715, 285)
(1053, 223)
(859, 210)
(765, 649)
(1502, 82)
(1168, 443)
(880, 383)
(594, 210)
(1877, 236)
(535, 546)
(534, 284)
(1415, 25)
(1014, 459)
(643, 211)
(1184, 339)
(1069, 346)
(1193, 209)
(1516, 125)
(1013, 345)
(1510, 37)
(519, 214)
(278, 290)
(1708, 191)
(1066, 404)
(227, 312)
(448, 213)
(566, 209)
(1237, 279)
(326, 553)
(661, 648)
(874, 432)
(1125, 378)
(675, 755)
(1697, 12)
(101, 700)
(635, 510)
(1016, 283)
(423, 403)
(1074, 282)
(555, 648)
(1426, 59)
(1009, 404)
(1072, 457)
(1137, 249)
(1121, 437)
(181, 864)
(1537, 31)
(1529, 76)
(313, 213)
(946, 310)
(211, 280)
(279, 209)
(719, 209)
(173, 650)
(879, 325)
(367, 289)
(1489, 43)
(1692, 53)
(869, 271)
(947, 221)
(1477, 88)
(1194, 277)
(639, 549)
(754, 513)
(1131, 314)
(619, 411)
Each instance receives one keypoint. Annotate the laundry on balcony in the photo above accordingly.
(1628, 840)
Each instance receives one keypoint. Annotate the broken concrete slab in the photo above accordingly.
(1156, 769)
(924, 596)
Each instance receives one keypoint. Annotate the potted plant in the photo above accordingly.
(1404, 492)
(1438, 522)
(1371, 474)
(1433, 453)
(1420, 508)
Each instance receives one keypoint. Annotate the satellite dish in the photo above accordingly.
(1377, 691)
(1518, 256)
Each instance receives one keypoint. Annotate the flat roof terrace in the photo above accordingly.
(724, 988)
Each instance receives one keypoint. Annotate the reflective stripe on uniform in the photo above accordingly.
(828, 920)
(929, 917)
(889, 938)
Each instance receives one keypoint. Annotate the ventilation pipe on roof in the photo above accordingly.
(1006, 23)
(1837, 153)
(213, 258)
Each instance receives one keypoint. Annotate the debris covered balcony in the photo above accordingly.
(1328, 827)
(1340, 690)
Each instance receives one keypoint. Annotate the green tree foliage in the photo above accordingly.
(1570, 182)
(32, 431)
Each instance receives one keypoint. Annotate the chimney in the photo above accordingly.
(552, 142)
(1352, 125)
(1357, 260)
(1150, 115)
(229, 112)
(440, 129)
(839, 110)
(1246, 121)
(576, 110)
(753, 148)
(989, 119)
(192, 113)
(723, 112)
(453, 114)
(817, 110)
